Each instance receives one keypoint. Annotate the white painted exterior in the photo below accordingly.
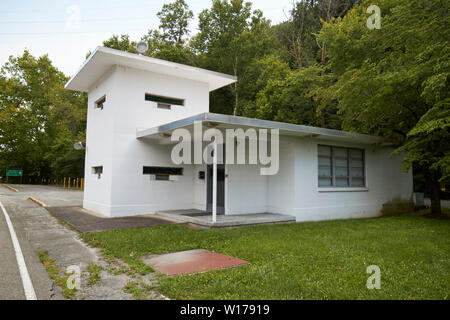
(111, 142)
(294, 189)
(124, 190)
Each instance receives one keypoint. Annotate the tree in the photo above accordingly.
(174, 20)
(259, 74)
(289, 99)
(298, 34)
(162, 49)
(230, 36)
(299, 38)
(424, 147)
(34, 107)
(166, 43)
(123, 43)
(394, 81)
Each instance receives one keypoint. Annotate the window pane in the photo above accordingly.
(163, 170)
(356, 154)
(340, 152)
(338, 166)
(324, 171)
(324, 182)
(165, 100)
(357, 163)
(324, 151)
(341, 182)
(339, 162)
(357, 168)
(164, 106)
(341, 172)
(324, 166)
(323, 161)
(357, 182)
(357, 173)
(97, 170)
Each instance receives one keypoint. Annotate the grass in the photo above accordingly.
(139, 290)
(94, 273)
(56, 274)
(315, 260)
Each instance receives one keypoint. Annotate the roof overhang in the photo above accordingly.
(221, 121)
(103, 59)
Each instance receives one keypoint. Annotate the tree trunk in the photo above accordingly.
(236, 99)
(434, 188)
(236, 95)
(322, 118)
(323, 56)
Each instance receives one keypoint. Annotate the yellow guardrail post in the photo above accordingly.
(68, 184)
(77, 183)
(64, 183)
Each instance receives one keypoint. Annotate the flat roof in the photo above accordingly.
(102, 59)
(221, 121)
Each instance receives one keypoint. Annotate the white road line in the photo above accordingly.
(26, 280)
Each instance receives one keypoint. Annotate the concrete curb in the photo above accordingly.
(42, 204)
(10, 188)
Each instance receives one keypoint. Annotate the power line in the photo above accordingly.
(56, 33)
(63, 21)
(82, 7)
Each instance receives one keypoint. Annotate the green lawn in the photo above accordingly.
(315, 260)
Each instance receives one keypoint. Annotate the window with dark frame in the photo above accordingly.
(164, 102)
(164, 106)
(340, 167)
(162, 173)
(98, 170)
(100, 102)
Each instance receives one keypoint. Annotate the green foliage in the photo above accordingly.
(166, 43)
(37, 115)
(123, 43)
(425, 144)
(393, 81)
(290, 100)
(230, 37)
(298, 35)
(174, 20)
(259, 74)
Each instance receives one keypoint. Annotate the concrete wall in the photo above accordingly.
(280, 191)
(384, 182)
(99, 144)
(123, 189)
(294, 189)
(111, 142)
(245, 189)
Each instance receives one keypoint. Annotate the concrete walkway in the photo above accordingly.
(11, 287)
(51, 195)
(232, 220)
(84, 221)
(37, 230)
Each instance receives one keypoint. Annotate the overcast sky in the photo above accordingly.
(47, 26)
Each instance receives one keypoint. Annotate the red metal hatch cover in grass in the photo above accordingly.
(191, 261)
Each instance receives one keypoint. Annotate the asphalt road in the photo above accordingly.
(10, 281)
(17, 205)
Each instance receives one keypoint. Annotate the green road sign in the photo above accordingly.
(14, 173)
